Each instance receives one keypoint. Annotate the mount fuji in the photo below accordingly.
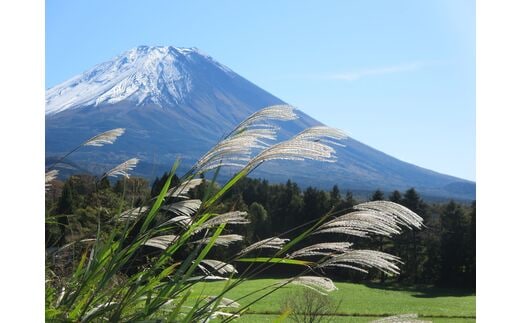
(178, 102)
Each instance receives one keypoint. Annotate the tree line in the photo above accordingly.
(442, 253)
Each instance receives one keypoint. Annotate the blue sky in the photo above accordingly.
(396, 75)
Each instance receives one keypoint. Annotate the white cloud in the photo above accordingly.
(356, 75)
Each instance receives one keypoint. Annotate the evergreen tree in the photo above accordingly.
(395, 197)
(65, 207)
(158, 183)
(471, 243)
(377, 196)
(259, 227)
(316, 204)
(66, 201)
(335, 197)
(294, 209)
(452, 245)
(104, 183)
(236, 203)
(413, 201)
(349, 200)
(431, 242)
(413, 251)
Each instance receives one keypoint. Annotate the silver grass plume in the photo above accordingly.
(49, 177)
(376, 217)
(161, 242)
(308, 144)
(322, 249)
(400, 214)
(65, 165)
(220, 266)
(132, 213)
(223, 240)
(183, 220)
(269, 243)
(90, 314)
(360, 259)
(186, 207)
(321, 285)
(294, 149)
(123, 168)
(281, 112)
(235, 150)
(55, 251)
(183, 188)
(233, 217)
(323, 134)
(107, 137)
(60, 298)
(361, 223)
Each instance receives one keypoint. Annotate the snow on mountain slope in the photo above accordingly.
(143, 75)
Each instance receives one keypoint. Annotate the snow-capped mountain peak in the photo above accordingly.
(158, 75)
(178, 102)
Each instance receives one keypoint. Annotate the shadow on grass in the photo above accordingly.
(422, 291)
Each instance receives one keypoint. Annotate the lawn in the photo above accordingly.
(360, 302)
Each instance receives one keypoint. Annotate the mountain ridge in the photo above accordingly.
(185, 115)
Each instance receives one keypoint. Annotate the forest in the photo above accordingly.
(441, 254)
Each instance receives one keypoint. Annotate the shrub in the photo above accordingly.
(308, 306)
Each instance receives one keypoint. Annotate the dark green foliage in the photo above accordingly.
(86, 201)
(442, 253)
(65, 203)
(378, 196)
(104, 183)
(316, 204)
(457, 236)
(395, 197)
(471, 278)
(288, 207)
(259, 227)
(412, 249)
(335, 197)
(64, 208)
(349, 200)
(158, 183)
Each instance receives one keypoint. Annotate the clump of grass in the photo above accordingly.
(101, 285)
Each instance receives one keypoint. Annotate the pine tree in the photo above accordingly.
(104, 183)
(471, 242)
(65, 207)
(453, 237)
(316, 203)
(349, 200)
(413, 253)
(335, 197)
(395, 197)
(259, 227)
(66, 201)
(158, 183)
(378, 195)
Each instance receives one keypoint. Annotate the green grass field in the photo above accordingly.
(359, 302)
